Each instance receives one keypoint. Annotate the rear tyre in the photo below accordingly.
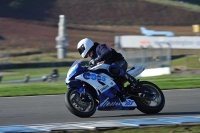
(77, 106)
(153, 104)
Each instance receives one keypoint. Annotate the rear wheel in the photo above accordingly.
(78, 106)
(150, 103)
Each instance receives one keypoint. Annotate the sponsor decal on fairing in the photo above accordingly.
(129, 103)
(104, 88)
(92, 76)
(107, 103)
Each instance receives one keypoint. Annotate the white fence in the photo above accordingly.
(153, 58)
(138, 50)
(181, 42)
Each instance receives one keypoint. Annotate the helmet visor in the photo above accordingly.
(81, 49)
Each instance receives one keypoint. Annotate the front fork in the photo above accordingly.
(84, 95)
(82, 92)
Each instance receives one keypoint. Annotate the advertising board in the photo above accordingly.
(181, 42)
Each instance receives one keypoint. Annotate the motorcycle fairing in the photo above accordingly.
(103, 85)
(74, 71)
(100, 66)
(114, 103)
(136, 70)
(101, 82)
(75, 84)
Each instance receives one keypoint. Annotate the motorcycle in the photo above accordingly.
(92, 88)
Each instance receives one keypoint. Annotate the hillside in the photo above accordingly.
(99, 12)
(33, 24)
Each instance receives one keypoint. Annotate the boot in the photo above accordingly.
(118, 94)
(131, 80)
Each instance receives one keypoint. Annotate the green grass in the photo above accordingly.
(19, 74)
(50, 88)
(175, 82)
(30, 89)
(189, 62)
(161, 129)
(47, 88)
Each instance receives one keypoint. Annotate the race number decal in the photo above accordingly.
(94, 77)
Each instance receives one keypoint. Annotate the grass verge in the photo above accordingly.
(19, 74)
(47, 88)
(175, 82)
(161, 129)
(53, 88)
(31, 89)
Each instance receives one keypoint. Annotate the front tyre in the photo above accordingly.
(77, 106)
(150, 104)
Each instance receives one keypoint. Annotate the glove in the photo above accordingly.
(92, 62)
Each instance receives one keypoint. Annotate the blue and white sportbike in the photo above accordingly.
(93, 88)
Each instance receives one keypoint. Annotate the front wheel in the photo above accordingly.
(150, 103)
(77, 106)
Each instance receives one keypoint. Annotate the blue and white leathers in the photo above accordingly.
(102, 83)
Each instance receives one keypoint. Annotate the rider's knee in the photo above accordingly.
(115, 70)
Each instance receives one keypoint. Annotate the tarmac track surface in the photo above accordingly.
(51, 109)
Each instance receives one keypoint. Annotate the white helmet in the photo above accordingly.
(84, 47)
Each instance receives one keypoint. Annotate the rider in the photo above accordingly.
(102, 52)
